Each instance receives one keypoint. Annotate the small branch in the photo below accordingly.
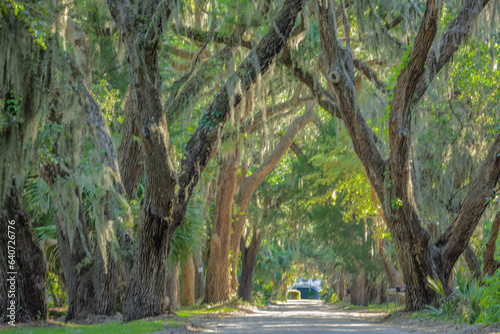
(107, 66)
(371, 75)
(251, 182)
(394, 23)
(454, 113)
(176, 66)
(347, 28)
(324, 98)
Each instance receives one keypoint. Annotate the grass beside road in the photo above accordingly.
(133, 327)
(205, 310)
(112, 326)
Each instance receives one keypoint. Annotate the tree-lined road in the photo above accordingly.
(301, 316)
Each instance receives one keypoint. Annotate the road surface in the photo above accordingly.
(298, 316)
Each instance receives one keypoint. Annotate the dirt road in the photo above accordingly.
(303, 316)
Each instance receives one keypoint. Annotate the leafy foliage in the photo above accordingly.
(473, 301)
(490, 300)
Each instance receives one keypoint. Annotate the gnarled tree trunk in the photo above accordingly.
(22, 265)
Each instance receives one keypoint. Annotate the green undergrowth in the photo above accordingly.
(229, 306)
(133, 327)
(472, 301)
(205, 309)
(387, 307)
(56, 313)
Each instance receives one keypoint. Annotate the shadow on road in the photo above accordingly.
(297, 316)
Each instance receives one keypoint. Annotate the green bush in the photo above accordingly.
(468, 292)
(490, 300)
(464, 304)
(293, 294)
(334, 298)
(472, 302)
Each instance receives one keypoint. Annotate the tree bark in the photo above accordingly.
(456, 237)
(218, 274)
(490, 265)
(341, 286)
(172, 286)
(358, 290)
(23, 279)
(145, 294)
(187, 282)
(199, 277)
(130, 155)
(248, 257)
(106, 277)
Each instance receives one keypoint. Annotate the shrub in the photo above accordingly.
(334, 298)
(490, 300)
(464, 304)
(293, 294)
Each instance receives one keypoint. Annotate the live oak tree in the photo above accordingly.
(391, 177)
(167, 190)
(22, 92)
